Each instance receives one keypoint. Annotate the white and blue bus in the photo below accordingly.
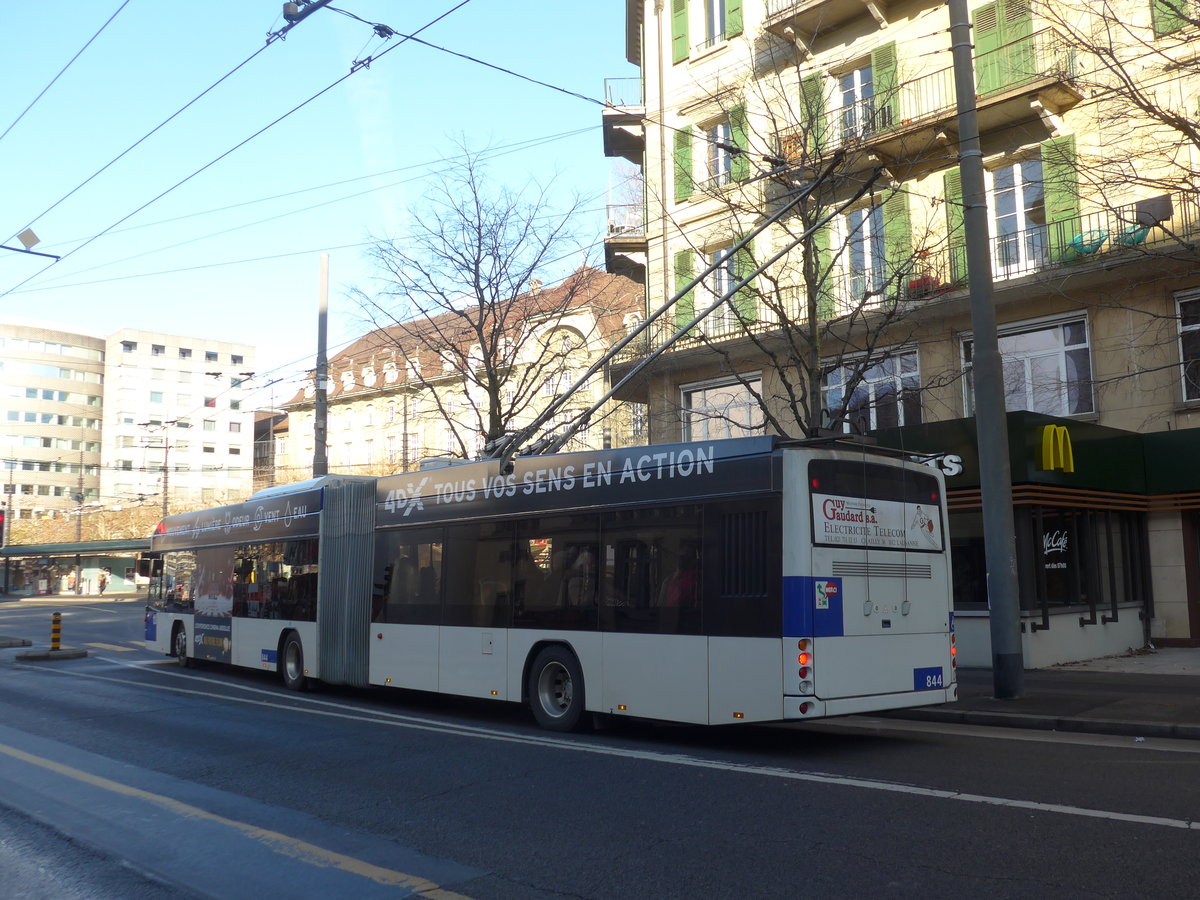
(745, 580)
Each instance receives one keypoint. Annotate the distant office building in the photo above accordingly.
(93, 423)
(51, 392)
(176, 419)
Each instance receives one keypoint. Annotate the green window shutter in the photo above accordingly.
(679, 30)
(883, 75)
(685, 185)
(1060, 183)
(739, 164)
(685, 271)
(744, 300)
(813, 113)
(1167, 16)
(897, 238)
(822, 243)
(1020, 57)
(1004, 51)
(733, 18)
(955, 233)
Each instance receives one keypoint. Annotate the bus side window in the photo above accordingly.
(408, 588)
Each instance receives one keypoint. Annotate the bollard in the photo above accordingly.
(55, 630)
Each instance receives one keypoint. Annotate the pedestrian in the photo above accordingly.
(103, 579)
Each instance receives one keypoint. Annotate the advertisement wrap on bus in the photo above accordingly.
(730, 581)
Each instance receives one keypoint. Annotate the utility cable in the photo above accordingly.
(357, 67)
(62, 70)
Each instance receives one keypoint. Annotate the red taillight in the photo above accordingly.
(804, 658)
(804, 671)
(805, 707)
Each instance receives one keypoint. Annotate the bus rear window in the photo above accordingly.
(872, 481)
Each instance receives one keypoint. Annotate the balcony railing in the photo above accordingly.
(626, 219)
(1104, 237)
(1042, 57)
(623, 92)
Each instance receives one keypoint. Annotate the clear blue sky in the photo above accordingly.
(233, 253)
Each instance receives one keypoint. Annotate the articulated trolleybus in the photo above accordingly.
(744, 580)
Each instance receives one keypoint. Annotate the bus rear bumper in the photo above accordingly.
(816, 708)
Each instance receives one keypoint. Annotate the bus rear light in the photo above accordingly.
(804, 671)
(806, 687)
(804, 708)
(738, 715)
(804, 658)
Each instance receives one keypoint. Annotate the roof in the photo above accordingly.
(389, 349)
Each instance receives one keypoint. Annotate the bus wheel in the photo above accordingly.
(556, 689)
(291, 666)
(179, 646)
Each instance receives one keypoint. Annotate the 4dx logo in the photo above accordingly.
(405, 501)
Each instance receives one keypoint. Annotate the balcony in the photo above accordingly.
(1136, 232)
(1030, 78)
(803, 20)
(625, 249)
(622, 119)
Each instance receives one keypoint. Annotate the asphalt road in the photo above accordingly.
(220, 781)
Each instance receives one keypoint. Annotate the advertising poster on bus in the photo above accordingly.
(213, 602)
(871, 523)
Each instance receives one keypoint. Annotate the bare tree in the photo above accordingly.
(467, 309)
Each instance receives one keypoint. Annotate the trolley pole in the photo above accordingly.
(320, 464)
(991, 423)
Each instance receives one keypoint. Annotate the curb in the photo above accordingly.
(44, 655)
(6, 642)
(1070, 724)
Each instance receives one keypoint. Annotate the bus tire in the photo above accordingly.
(555, 689)
(179, 646)
(291, 663)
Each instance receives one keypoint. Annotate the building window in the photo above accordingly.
(235, 404)
(1047, 369)
(858, 104)
(714, 22)
(235, 451)
(210, 402)
(157, 350)
(210, 355)
(718, 283)
(719, 140)
(185, 353)
(236, 359)
(866, 394)
(210, 448)
(722, 409)
(865, 253)
(235, 427)
(1019, 217)
(128, 346)
(210, 424)
(1189, 341)
(156, 397)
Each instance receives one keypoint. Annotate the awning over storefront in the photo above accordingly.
(76, 548)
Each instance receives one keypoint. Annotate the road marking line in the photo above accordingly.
(116, 647)
(395, 720)
(279, 843)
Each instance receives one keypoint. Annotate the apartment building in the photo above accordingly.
(428, 388)
(802, 231)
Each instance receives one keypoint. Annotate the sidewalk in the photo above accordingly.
(1144, 694)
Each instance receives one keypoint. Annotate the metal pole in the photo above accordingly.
(320, 454)
(991, 424)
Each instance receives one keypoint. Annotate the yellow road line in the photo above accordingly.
(117, 647)
(276, 842)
